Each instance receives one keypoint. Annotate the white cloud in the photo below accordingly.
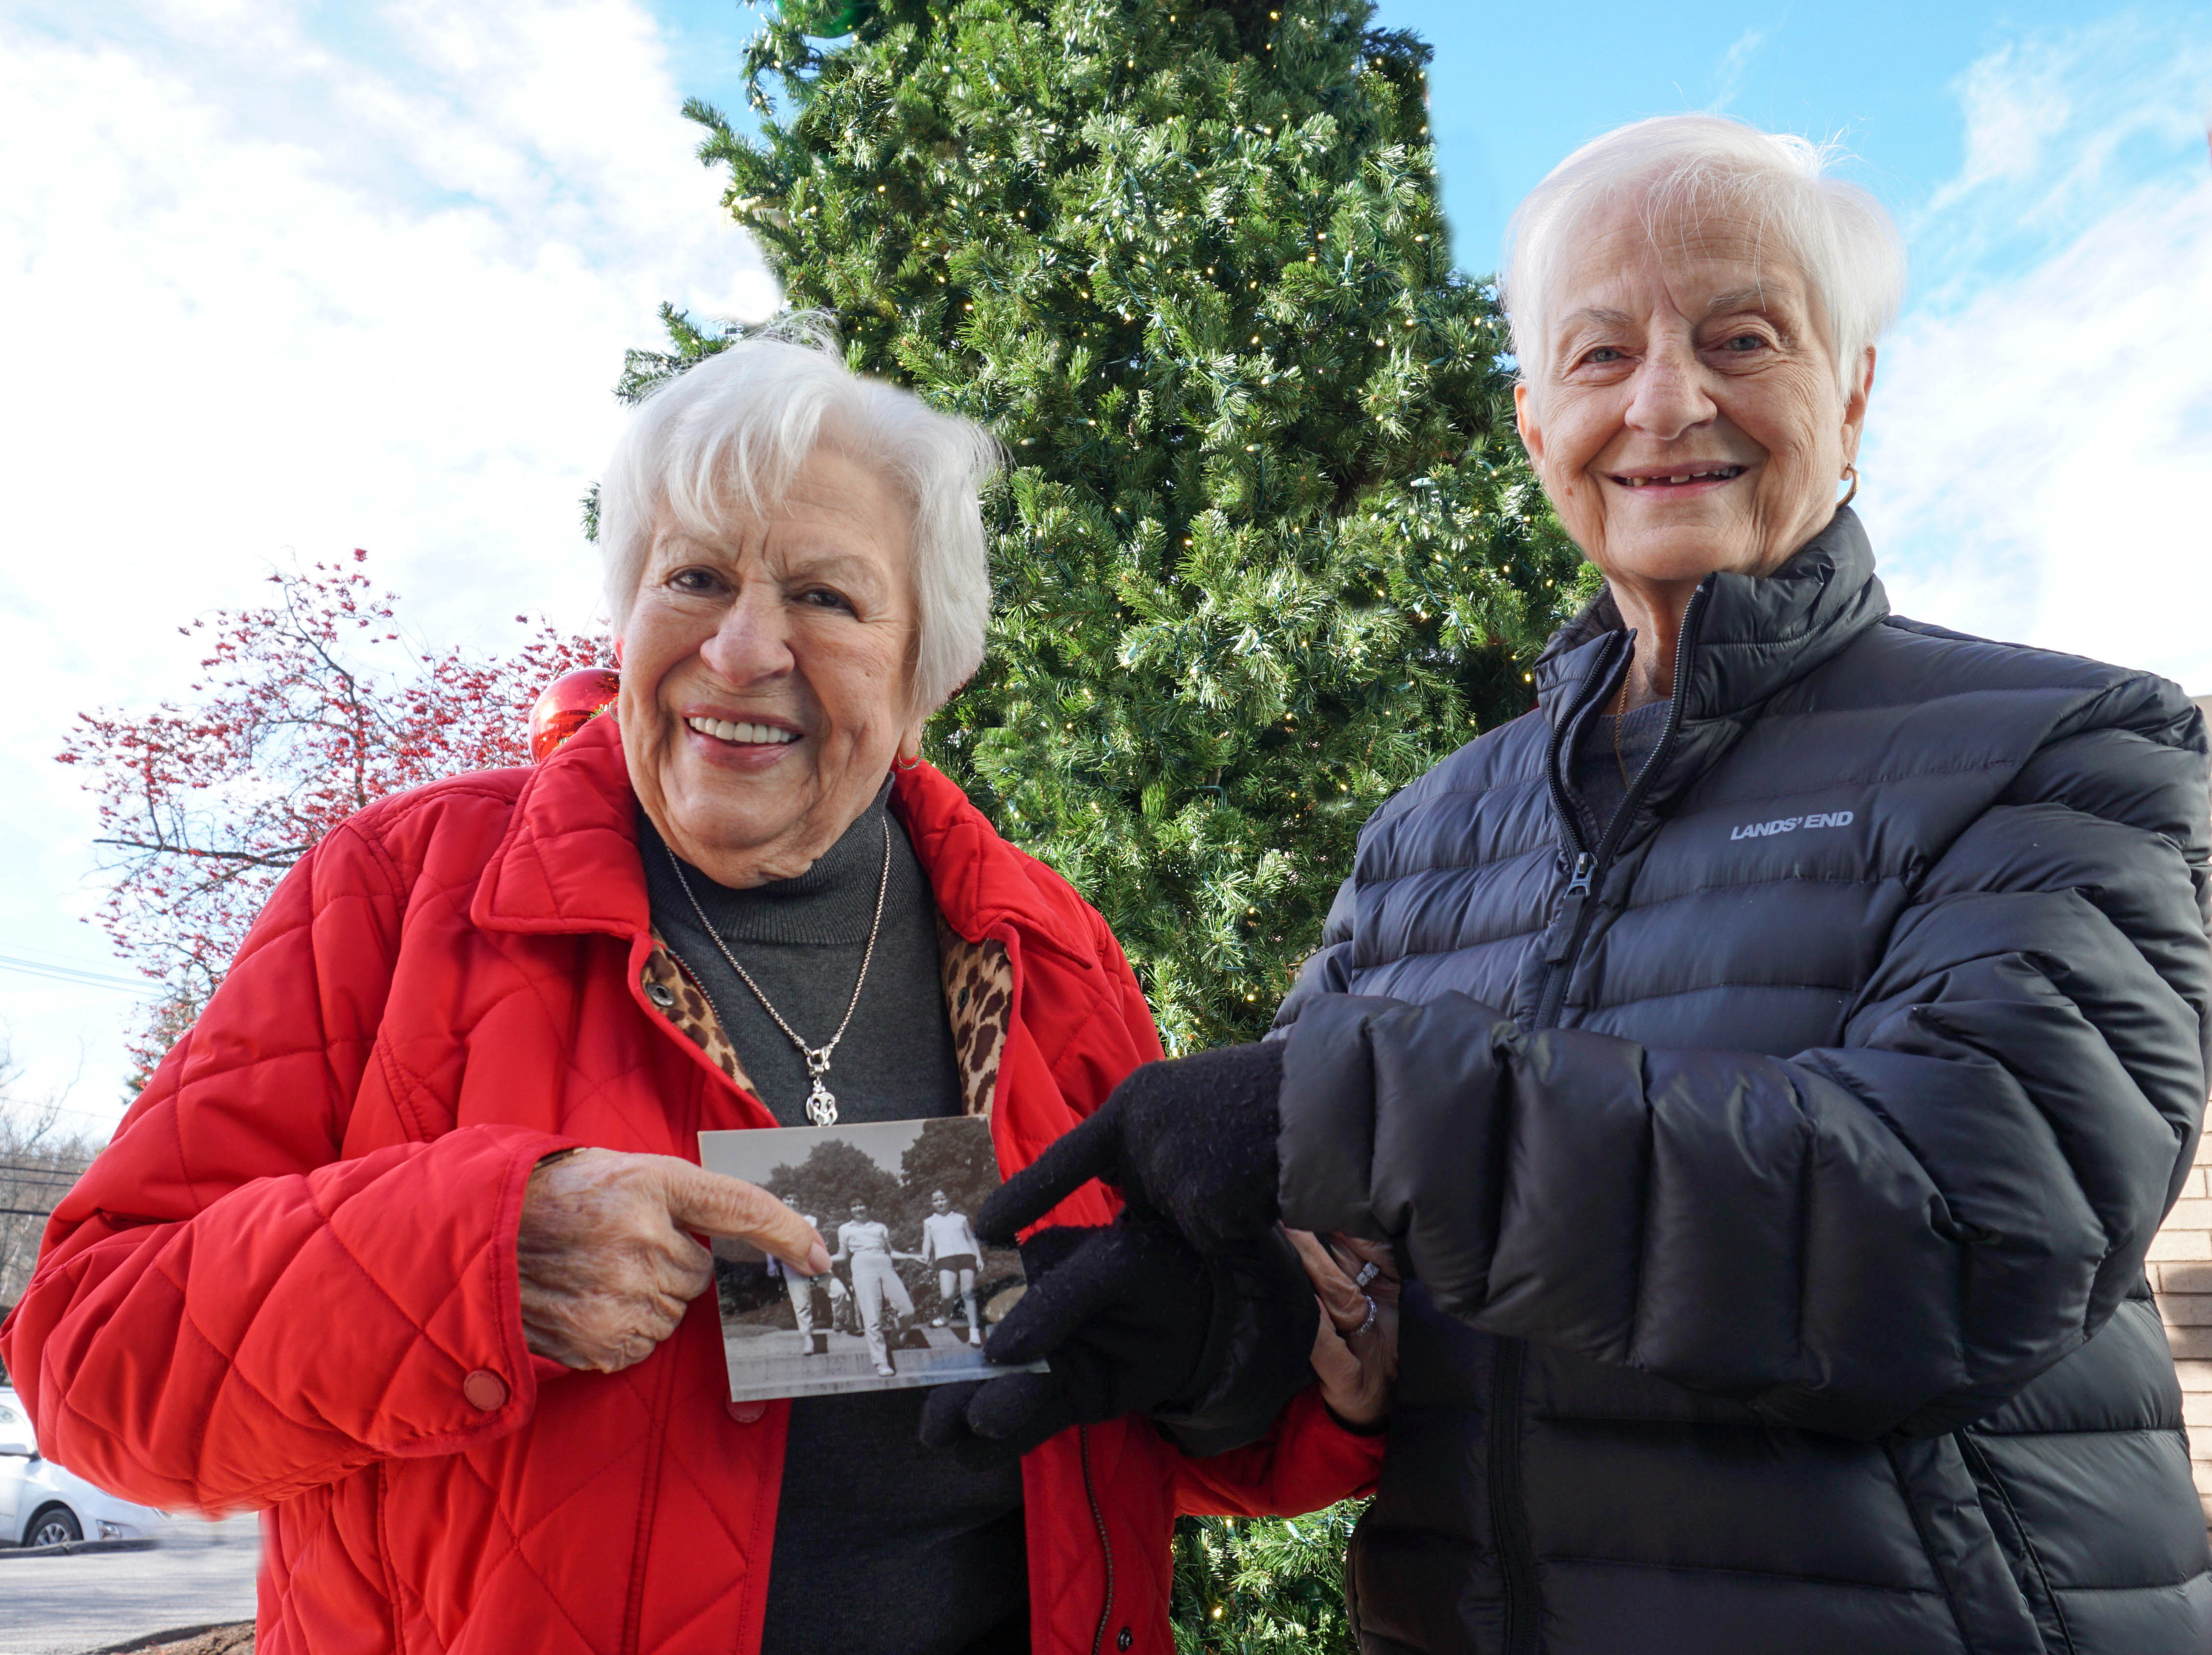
(2014, 101)
(271, 292)
(1735, 62)
(2038, 439)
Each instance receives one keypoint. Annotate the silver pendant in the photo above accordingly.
(821, 1104)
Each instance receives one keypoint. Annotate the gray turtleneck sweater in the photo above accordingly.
(1613, 753)
(802, 941)
(882, 1547)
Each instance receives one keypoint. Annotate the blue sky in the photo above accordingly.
(1516, 88)
(284, 277)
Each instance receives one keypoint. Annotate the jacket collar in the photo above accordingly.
(570, 861)
(1753, 636)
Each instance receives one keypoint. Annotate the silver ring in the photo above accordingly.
(1368, 1272)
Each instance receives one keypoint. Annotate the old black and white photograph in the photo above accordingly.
(911, 1291)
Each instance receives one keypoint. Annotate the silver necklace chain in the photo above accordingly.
(821, 1102)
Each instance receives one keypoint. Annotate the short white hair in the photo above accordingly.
(731, 433)
(1841, 238)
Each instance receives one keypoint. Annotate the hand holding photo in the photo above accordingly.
(910, 1291)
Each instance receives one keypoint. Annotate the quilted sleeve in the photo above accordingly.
(1307, 1461)
(225, 1312)
(1899, 1231)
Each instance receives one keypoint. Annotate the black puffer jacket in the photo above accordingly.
(1778, 1173)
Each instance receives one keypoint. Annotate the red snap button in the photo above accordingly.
(747, 1413)
(484, 1390)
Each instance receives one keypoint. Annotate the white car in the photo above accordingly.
(43, 1504)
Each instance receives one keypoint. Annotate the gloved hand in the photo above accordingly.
(1134, 1321)
(1191, 1139)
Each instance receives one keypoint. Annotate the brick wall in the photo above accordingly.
(2181, 1273)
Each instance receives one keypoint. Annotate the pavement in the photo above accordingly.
(75, 1603)
(766, 1363)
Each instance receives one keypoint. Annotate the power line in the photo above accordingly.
(74, 974)
(109, 1119)
(26, 1212)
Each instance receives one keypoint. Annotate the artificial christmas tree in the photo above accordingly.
(1267, 547)
(1245, 1587)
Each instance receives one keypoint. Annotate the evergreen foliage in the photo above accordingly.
(1267, 548)
(1243, 1588)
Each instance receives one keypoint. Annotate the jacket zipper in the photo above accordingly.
(1509, 1522)
(1583, 864)
(1589, 868)
(1105, 1542)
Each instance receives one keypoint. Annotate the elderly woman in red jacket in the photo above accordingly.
(400, 1242)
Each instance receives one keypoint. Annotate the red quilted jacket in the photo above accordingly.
(289, 1282)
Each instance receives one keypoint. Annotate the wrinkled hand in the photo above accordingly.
(1192, 1139)
(606, 1269)
(1355, 1352)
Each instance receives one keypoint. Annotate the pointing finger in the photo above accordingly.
(719, 1206)
(1088, 1151)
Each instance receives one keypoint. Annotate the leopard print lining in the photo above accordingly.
(979, 1003)
(670, 990)
(978, 979)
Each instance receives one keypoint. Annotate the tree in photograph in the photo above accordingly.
(305, 711)
(951, 1155)
(825, 1184)
(1267, 547)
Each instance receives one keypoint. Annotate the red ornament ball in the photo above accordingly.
(566, 705)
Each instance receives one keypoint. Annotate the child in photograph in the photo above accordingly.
(866, 1243)
(948, 1241)
(801, 1288)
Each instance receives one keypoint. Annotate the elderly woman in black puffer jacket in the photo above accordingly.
(1771, 1057)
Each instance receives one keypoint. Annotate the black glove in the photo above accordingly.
(1134, 1321)
(1191, 1139)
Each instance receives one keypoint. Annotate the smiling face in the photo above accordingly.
(1685, 416)
(859, 1212)
(766, 671)
(937, 1202)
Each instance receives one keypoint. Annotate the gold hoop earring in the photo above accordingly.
(1852, 473)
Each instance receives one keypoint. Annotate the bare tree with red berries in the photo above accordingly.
(305, 711)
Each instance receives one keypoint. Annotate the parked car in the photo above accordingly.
(41, 1504)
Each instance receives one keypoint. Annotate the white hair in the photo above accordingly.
(732, 434)
(1840, 238)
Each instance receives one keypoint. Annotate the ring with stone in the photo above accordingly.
(1368, 1272)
